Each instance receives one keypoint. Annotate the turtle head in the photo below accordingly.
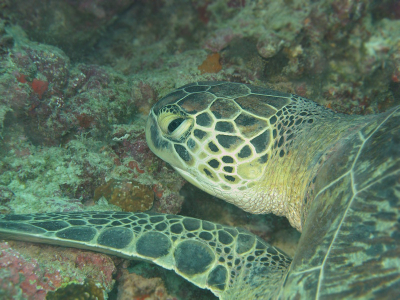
(210, 140)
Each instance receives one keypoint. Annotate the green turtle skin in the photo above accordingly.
(223, 259)
(335, 177)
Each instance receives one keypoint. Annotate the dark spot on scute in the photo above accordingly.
(193, 257)
(232, 231)
(14, 226)
(274, 133)
(76, 222)
(227, 141)
(250, 258)
(161, 227)
(260, 245)
(224, 237)
(199, 134)
(267, 92)
(208, 225)
(121, 215)
(224, 127)
(272, 251)
(52, 225)
(229, 89)
(263, 159)
(176, 228)
(206, 236)
(281, 153)
(310, 121)
(245, 120)
(100, 216)
(117, 238)
(115, 223)
(217, 277)
(142, 215)
(272, 120)
(213, 147)
(281, 140)
(191, 143)
(83, 234)
(191, 224)
(244, 152)
(182, 152)
(142, 222)
(208, 173)
(275, 258)
(156, 219)
(227, 159)
(204, 120)
(244, 243)
(196, 88)
(261, 142)
(298, 121)
(230, 178)
(16, 218)
(228, 169)
(214, 163)
(153, 244)
(98, 221)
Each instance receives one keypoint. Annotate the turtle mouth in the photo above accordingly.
(193, 180)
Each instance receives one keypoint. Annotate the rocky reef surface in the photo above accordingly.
(78, 78)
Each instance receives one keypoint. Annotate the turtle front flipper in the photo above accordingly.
(231, 262)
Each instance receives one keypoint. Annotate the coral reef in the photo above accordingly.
(72, 25)
(128, 195)
(133, 286)
(31, 271)
(86, 291)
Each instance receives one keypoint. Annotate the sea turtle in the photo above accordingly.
(335, 177)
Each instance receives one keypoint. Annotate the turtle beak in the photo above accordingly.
(157, 144)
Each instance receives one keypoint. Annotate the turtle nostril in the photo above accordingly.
(175, 124)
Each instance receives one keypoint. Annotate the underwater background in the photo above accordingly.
(78, 78)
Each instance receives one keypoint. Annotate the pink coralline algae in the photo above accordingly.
(22, 277)
(31, 271)
(133, 286)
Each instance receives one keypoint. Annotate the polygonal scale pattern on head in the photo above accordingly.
(194, 103)
(229, 90)
(249, 125)
(230, 120)
(224, 109)
(262, 106)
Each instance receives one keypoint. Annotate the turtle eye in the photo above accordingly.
(173, 125)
